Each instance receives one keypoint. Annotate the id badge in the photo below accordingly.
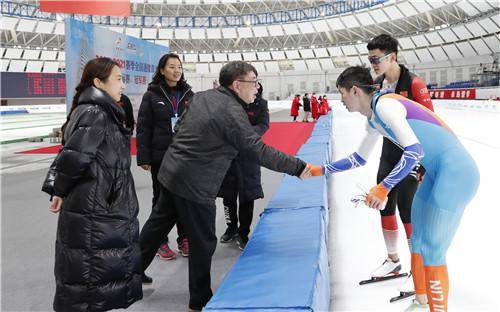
(173, 121)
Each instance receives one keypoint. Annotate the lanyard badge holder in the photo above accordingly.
(173, 120)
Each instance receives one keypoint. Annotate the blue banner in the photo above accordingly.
(138, 58)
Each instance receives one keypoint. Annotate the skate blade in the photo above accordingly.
(382, 279)
(402, 296)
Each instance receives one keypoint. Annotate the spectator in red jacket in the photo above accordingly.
(294, 112)
(314, 107)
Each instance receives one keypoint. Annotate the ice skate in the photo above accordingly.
(387, 271)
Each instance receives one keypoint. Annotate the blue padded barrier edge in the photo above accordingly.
(275, 272)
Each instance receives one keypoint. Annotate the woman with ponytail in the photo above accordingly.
(98, 263)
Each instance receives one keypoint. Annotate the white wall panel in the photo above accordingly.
(34, 66)
(17, 65)
(13, 53)
(306, 28)
(278, 55)
(275, 30)
(245, 32)
(264, 56)
(292, 54)
(206, 57)
(202, 68)
(165, 33)
(149, 33)
(198, 33)
(249, 56)
(26, 25)
(48, 55)
(214, 33)
(321, 52)
(272, 66)
(228, 33)
(31, 54)
(480, 46)
(234, 57)
(452, 51)
(182, 33)
(260, 31)
(44, 27)
(466, 49)
(220, 57)
(134, 32)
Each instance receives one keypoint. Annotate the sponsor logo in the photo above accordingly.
(437, 296)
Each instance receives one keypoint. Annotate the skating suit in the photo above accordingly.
(451, 179)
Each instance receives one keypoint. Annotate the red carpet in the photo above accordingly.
(288, 137)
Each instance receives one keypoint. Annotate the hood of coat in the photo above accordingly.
(93, 95)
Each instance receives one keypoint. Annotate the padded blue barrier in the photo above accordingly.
(277, 270)
(284, 266)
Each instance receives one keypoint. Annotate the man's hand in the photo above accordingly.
(377, 197)
(311, 171)
(56, 204)
(146, 167)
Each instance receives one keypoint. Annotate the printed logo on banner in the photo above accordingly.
(118, 44)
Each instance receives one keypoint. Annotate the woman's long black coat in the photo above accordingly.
(98, 262)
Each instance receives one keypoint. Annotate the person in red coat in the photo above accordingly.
(314, 107)
(324, 100)
(294, 112)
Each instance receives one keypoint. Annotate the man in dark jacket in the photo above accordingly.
(243, 180)
(210, 134)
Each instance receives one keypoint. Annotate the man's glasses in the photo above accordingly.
(255, 82)
(377, 59)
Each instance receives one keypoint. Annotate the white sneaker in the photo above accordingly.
(386, 268)
(415, 306)
(407, 286)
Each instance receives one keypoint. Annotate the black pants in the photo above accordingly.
(199, 221)
(156, 194)
(245, 213)
(401, 195)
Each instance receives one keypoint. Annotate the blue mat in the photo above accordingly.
(284, 266)
(276, 272)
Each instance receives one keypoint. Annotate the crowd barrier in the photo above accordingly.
(284, 266)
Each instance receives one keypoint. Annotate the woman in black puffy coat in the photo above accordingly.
(98, 262)
(166, 99)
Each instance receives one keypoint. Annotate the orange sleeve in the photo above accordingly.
(420, 93)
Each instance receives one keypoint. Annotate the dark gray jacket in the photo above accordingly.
(210, 134)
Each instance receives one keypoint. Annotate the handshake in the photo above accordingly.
(311, 171)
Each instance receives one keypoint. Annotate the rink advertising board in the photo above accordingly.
(137, 58)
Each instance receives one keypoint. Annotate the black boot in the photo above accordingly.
(229, 235)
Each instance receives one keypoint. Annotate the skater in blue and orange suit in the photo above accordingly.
(451, 180)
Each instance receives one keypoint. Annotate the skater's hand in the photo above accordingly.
(377, 197)
(311, 171)
(56, 203)
(146, 167)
